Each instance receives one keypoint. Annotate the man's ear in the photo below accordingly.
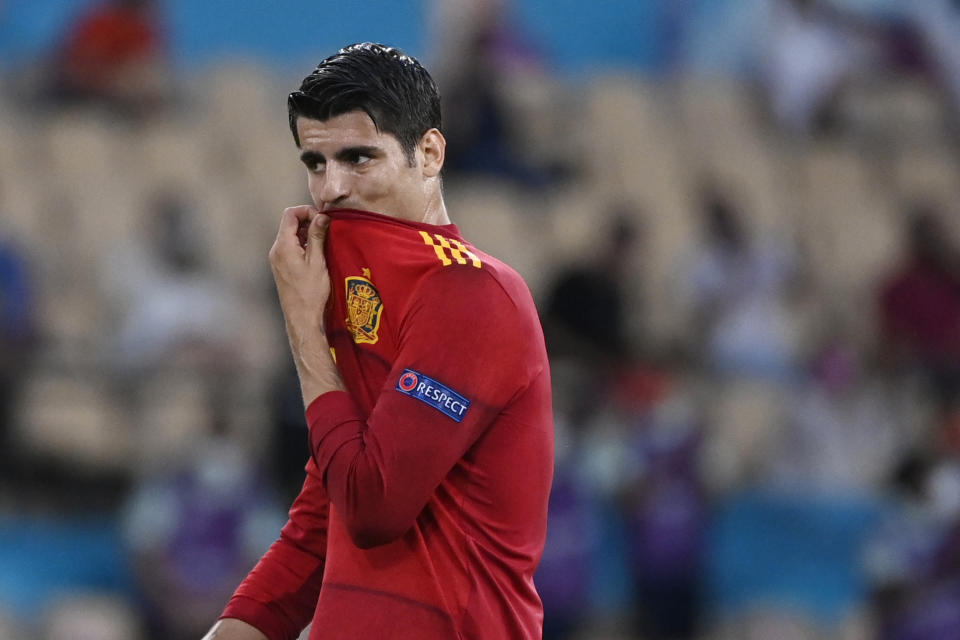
(433, 146)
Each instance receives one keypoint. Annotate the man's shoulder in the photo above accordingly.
(470, 272)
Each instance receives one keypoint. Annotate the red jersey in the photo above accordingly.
(424, 510)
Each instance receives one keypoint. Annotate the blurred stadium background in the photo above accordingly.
(739, 219)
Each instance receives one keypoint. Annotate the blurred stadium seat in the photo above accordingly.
(91, 616)
(68, 416)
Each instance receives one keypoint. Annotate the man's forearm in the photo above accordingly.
(233, 629)
(316, 369)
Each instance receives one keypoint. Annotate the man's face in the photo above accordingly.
(352, 165)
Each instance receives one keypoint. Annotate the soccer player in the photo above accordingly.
(425, 382)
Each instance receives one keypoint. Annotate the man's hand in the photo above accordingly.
(299, 267)
(303, 285)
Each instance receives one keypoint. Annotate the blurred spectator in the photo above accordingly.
(665, 506)
(587, 304)
(289, 432)
(112, 55)
(479, 51)
(920, 305)
(18, 339)
(169, 306)
(818, 47)
(585, 314)
(194, 522)
(841, 434)
(738, 288)
(814, 48)
(913, 561)
(194, 528)
(564, 576)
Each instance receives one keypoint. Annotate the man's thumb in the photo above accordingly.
(317, 233)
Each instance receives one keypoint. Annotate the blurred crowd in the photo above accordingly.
(746, 261)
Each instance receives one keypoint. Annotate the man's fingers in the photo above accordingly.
(293, 224)
(293, 217)
(316, 234)
(318, 227)
(290, 242)
(302, 211)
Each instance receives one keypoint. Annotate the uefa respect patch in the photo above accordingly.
(437, 395)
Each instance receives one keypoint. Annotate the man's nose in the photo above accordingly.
(334, 186)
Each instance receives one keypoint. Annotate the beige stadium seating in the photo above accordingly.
(746, 423)
(92, 616)
(71, 416)
(172, 412)
(929, 174)
(848, 225)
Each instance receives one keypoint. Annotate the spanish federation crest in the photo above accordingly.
(364, 308)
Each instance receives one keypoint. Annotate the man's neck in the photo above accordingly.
(435, 211)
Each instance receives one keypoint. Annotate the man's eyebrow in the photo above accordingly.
(311, 158)
(351, 152)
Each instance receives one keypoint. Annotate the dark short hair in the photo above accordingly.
(388, 85)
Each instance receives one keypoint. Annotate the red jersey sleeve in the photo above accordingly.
(279, 595)
(460, 360)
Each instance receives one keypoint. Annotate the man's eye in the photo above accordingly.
(318, 167)
(360, 159)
